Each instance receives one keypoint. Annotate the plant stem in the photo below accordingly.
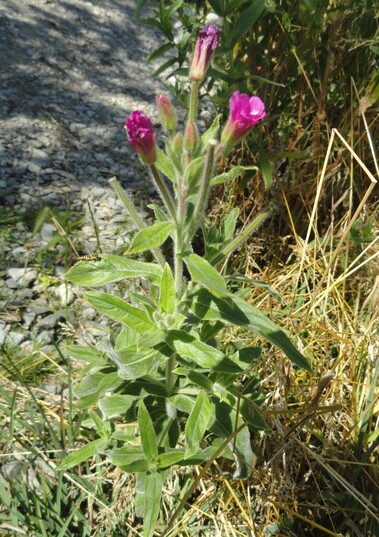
(193, 102)
(133, 213)
(164, 191)
(204, 191)
(243, 236)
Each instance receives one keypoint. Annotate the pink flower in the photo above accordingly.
(245, 112)
(206, 45)
(141, 136)
(166, 112)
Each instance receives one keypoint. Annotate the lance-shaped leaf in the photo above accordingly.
(197, 423)
(87, 353)
(164, 165)
(83, 453)
(230, 175)
(153, 493)
(151, 237)
(119, 310)
(223, 423)
(212, 132)
(112, 268)
(115, 405)
(129, 458)
(202, 272)
(239, 312)
(167, 291)
(191, 348)
(148, 436)
(135, 362)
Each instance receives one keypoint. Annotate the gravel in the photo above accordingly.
(70, 73)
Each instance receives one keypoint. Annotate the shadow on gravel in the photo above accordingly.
(70, 72)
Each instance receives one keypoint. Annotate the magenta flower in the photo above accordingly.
(141, 136)
(245, 112)
(166, 112)
(206, 45)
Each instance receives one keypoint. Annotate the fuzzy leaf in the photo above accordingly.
(197, 423)
(111, 268)
(83, 453)
(135, 362)
(151, 237)
(148, 437)
(153, 493)
(192, 348)
(164, 165)
(115, 405)
(87, 353)
(202, 272)
(239, 312)
(167, 291)
(119, 310)
(228, 176)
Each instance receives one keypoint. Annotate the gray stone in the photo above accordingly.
(48, 231)
(22, 276)
(65, 294)
(50, 321)
(15, 338)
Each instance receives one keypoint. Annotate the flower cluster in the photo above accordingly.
(245, 111)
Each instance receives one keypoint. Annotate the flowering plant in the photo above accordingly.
(163, 372)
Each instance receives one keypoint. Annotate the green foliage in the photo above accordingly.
(162, 365)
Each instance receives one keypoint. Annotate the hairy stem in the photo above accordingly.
(164, 191)
(135, 216)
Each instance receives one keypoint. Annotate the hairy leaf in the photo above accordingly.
(111, 268)
(151, 237)
(239, 312)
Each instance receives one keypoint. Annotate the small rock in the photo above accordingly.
(50, 321)
(22, 276)
(65, 294)
(48, 231)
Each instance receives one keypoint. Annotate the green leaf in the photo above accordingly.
(192, 348)
(197, 423)
(115, 405)
(148, 436)
(223, 423)
(265, 166)
(119, 310)
(170, 457)
(212, 132)
(193, 174)
(83, 453)
(228, 176)
(167, 291)
(159, 213)
(111, 268)
(135, 362)
(239, 312)
(164, 165)
(87, 353)
(129, 458)
(89, 385)
(182, 402)
(246, 20)
(229, 224)
(151, 237)
(202, 272)
(153, 493)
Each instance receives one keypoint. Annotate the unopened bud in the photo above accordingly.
(166, 112)
(190, 136)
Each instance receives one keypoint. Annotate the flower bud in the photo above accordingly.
(205, 47)
(245, 112)
(190, 136)
(177, 143)
(166, 113)
(141, 136)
